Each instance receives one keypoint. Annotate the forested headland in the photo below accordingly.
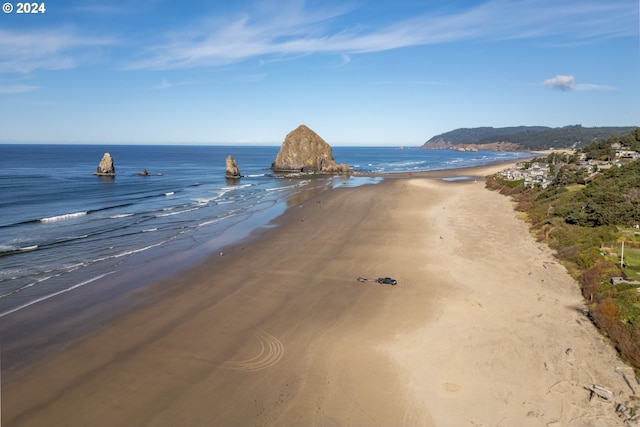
(523, 138)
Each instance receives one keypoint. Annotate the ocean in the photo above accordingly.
(62, 228)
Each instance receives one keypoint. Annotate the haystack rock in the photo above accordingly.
(106, 166)
(232, 169)
(304, 151)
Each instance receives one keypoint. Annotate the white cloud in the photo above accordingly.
(164, 84)
(567, 83)
(298, 31)
(560, 82)
(17, 88)
(24, 52)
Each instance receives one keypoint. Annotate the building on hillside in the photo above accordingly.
(627, 154)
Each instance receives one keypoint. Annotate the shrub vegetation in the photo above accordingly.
(586, 224)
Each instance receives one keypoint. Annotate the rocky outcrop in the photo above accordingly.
(232, 171)
(106, 166)
(304, 151)
(145, 172)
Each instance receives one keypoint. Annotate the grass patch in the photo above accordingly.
(631, 266)
(574, 187)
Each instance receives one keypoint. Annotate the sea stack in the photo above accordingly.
(304, 151)
(106, 167)
(232, 171)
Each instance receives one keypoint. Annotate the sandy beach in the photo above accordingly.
(484, 327)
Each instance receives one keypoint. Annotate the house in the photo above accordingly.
(627, 154)
(622, 280)
(512, 174)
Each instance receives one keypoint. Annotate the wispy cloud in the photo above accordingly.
(102, 9)
(252, 78)
(302, 31)
(27, 51)
(17, 88)
(296, 29)
(407, 82)
(164, 84)
(567, 83)
(591, 86)
(344, 60)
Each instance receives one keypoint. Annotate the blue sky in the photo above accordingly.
(357, 72)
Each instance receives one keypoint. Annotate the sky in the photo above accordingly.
(356, 72)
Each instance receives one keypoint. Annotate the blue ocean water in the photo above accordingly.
(62, 228)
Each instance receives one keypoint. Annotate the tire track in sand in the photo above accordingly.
(271, 351)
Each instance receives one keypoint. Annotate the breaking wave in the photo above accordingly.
(63, 217)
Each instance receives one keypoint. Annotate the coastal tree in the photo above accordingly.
(579, 221)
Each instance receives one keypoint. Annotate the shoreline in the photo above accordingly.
(278, 331)
(80, 309)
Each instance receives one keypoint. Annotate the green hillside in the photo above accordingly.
(529, 137)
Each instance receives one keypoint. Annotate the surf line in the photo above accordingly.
(64, 216)
(46, 297)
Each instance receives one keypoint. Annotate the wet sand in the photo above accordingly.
(483, 328)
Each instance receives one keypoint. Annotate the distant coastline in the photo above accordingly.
(523, 138)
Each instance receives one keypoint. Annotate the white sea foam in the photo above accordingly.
(63, 217)
(124, 253)
(176, 213)
(228, 214)
(28, 285)
(454, 161)
(46, 297)
(120, 215)
(205, 200)
(213, 221)
(170, 193)
(235, 187)
(286, 187)
(409, 163)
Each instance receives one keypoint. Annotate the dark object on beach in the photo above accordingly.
(381, 280)
(232, 171)
(106, 167)
(304, 151)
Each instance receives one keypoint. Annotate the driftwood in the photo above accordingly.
(628, 411)
(626, 380)
(601, 392)
(628, 414)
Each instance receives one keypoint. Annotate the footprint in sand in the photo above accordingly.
(271, 351)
